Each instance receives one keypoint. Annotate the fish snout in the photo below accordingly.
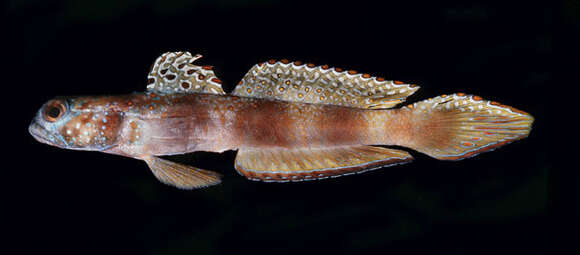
(42, 135)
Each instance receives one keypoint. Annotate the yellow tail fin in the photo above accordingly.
(459, 126)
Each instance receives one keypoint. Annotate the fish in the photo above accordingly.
(289, 121)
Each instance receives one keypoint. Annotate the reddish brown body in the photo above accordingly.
(181, 123)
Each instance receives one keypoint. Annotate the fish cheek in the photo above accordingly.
(75, 132)
(109, 129)
(92, 130)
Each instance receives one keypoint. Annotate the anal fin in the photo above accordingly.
(282, 165)
(181, 176)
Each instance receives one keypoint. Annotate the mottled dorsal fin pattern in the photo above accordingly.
(299, 82)
(174, 72)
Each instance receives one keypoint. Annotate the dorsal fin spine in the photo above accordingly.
(174, 72)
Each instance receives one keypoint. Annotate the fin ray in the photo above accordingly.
(282, 165)
(298, 82)
(174, 72)
(459, 126)
(181, 176)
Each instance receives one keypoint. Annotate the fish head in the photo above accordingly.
(76, 123)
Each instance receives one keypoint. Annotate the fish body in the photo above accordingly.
(288, 121)
(154, 124)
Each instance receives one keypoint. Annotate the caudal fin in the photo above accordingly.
(458, 126)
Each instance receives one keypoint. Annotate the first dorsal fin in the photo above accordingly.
(303, 164)
(299, 82)
(174, 72)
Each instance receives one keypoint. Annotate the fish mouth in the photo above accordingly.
(42, 135)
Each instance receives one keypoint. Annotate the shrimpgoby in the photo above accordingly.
(289, 121)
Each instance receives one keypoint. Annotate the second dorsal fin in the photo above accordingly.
(174, 72)
(299, 82)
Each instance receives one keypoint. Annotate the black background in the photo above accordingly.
(88, 202)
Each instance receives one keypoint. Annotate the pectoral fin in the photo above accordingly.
(282, 165)
(181, 176)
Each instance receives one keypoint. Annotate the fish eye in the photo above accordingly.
(53, 111)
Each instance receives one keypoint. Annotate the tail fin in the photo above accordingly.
(458, 126)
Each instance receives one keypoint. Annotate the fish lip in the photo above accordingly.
(37, 132)
(40, 133)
